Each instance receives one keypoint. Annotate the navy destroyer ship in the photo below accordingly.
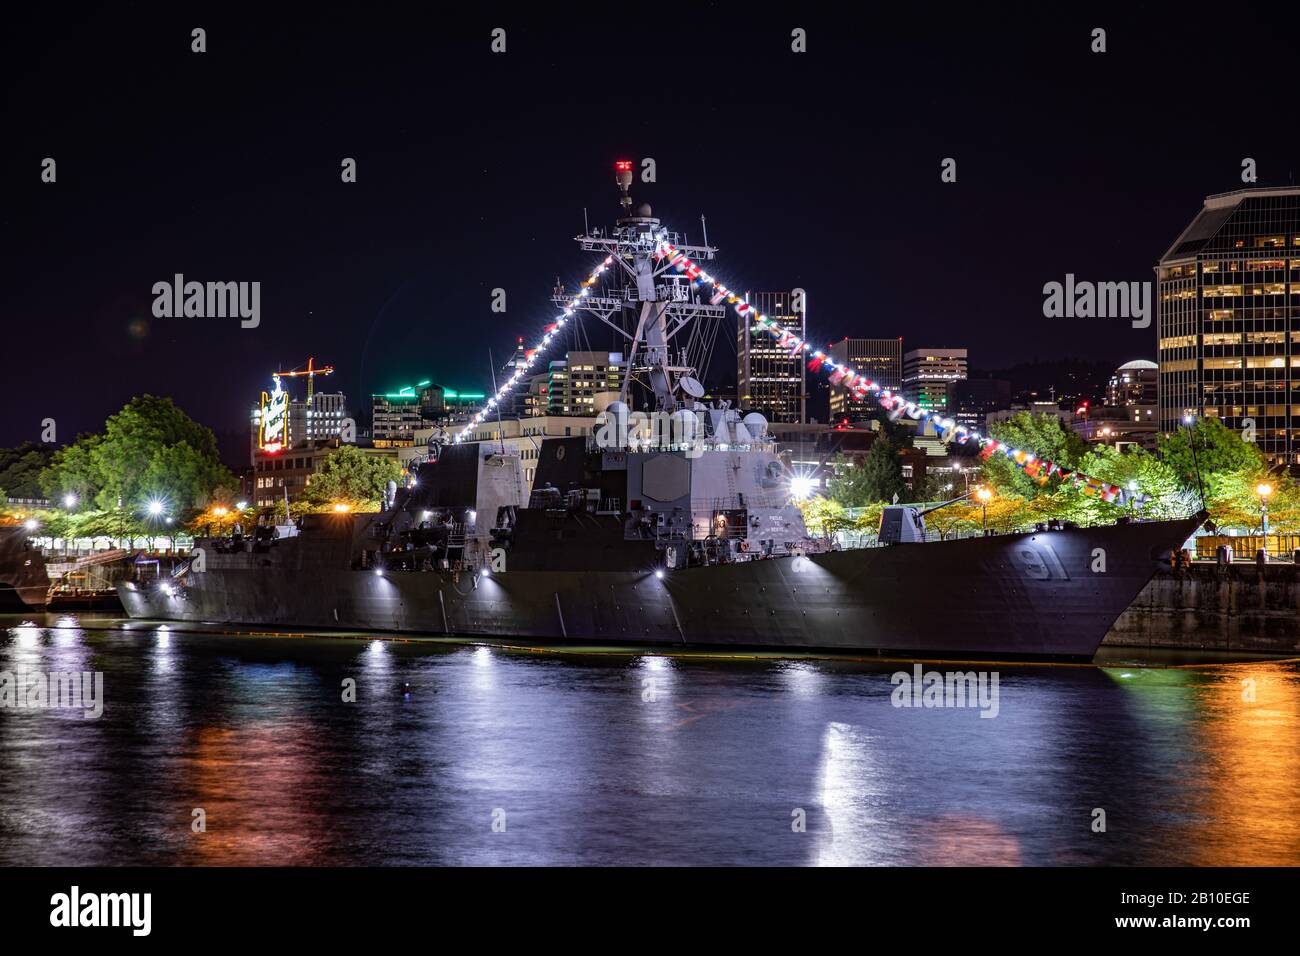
(676, 525)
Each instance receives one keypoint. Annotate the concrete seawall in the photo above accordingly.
(1237, 607)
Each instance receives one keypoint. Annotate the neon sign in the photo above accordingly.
(275, 418)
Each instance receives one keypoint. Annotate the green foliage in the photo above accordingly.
(1042, 435)
(20, 469)
(1218, 450)
(1156, 478)
(847, 485)
(150, 449)
(824, 516)
(350, 475)
(882, 472)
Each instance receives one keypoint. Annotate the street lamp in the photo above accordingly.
(155, 507)
(69, 501)
(984, 495)
(1264, 489)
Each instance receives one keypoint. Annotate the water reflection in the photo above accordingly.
(642, 759)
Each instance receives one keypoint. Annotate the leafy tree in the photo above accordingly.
(149, 449)
(21, 467)
(868, 518)
(824, 516)
(1218, 450)
(1136, 469)
(1042, 435)
(74, 469)
(847, 484)
(882, 472)
(183, 477)
(352, 476)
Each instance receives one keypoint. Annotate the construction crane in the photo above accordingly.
(311, 371)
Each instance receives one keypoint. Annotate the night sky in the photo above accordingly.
(817, 170)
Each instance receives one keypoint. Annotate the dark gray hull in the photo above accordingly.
(24, 583)
(1042, 595)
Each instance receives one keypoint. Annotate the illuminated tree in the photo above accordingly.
(1040, 435)
(351, 476)
(824, 516)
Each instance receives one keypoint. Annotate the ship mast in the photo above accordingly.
(665, 303)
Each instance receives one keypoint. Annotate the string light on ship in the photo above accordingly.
(533, 354)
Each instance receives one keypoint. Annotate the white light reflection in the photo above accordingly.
(848, 787)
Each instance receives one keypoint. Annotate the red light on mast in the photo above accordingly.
(623, 166)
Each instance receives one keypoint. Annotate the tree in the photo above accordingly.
(1137, 471)
(149, 449)
(823, 516)
(1042, 436)
(21, 467)
(847, 485)
(73, 469)
(882, 472)
(1218, 449)
(351, 476)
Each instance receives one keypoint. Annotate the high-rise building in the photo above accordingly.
(1134, 383)
(970, 401)
(1228, 318)
(769, 378)
(928, 373)
(317, 418)
(573, 382)
(881, 360)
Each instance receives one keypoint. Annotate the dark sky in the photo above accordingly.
(818, 170)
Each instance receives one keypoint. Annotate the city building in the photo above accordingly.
(881, 360)
(574, 381)
(971, 400)
(928, 373)
(394, 417)
(1119, 426)
(280, 421)
(1226, 317)
(318, 418)
(1065, 416)
(440, 405)
(1134, 383)
(769, 379)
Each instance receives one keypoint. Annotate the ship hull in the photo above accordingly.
(24, 583)
(1044, 595)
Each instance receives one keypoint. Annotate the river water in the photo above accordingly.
(475, 754)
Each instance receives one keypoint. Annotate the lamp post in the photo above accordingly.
(984, 495)
(1264, 489)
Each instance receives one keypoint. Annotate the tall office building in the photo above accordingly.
(881, 360)
(768, 378)
(574, 382)
(928, 373)
(1228, 318)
